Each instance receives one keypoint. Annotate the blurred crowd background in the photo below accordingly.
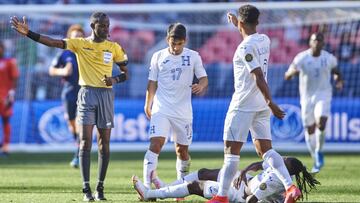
(140, 34)
(118, 1)
(141, 30)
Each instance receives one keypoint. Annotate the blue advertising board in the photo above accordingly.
(43, 122)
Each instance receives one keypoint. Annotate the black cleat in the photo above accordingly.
(99, 194)
(88, 195)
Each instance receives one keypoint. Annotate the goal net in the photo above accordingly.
(141, 30)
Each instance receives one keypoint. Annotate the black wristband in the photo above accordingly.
(33, 35)
(120, 78)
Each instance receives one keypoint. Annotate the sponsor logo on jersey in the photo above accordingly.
(213, 190)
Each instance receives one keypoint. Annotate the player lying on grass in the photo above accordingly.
(265, 186)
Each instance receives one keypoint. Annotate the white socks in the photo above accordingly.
(175, 191)
(320, 139)
(310, 140)
(182, 167)
(230, 167)
(150, 164)
(276, 162)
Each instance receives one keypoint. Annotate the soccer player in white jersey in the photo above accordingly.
(249, 107)
(168, 100)
(315, 67)
(264, 187)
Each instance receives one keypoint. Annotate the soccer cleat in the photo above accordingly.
(319, 162)
(99, 194)
(75, 162)
(139, 187)
(88, 195)
(218, 199)
(319, 159)
(292, 194)
(315, 170)
(158, 183)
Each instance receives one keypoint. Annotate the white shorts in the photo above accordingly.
(211, 188)
(238, 123)
(268, 187)
(163, 126)
(311, 111)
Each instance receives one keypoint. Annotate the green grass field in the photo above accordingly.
(49, 178)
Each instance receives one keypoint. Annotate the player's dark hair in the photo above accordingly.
(2, 44)
(73, 27)
(304, 180)
(176, 31)
(249, 14)
(96, 16)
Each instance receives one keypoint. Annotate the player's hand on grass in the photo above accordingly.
(21, 27)
(197, 89)
(147, 111)
(275, 109)
(108, 81)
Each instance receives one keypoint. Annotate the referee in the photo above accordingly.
(95, 55)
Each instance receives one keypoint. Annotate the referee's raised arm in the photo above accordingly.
(23, 28)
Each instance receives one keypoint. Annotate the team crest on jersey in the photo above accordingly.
(248, 57)
(262, 186)
(185, 60)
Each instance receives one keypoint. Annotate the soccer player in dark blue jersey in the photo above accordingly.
(65, 66)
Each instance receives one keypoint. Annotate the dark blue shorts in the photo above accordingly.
(70, 109)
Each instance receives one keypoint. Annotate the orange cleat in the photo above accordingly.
(179, 199)
(218, 199)
(292, 194)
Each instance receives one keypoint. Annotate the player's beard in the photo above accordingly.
(104, 36)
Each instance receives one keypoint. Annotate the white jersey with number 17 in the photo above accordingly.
(174, 75)
(253, 52)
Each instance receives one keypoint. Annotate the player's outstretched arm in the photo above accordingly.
(262, 85)
(291, 72)
(23, 28)
(232, 19)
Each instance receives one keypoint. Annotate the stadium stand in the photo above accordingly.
(215, 47)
